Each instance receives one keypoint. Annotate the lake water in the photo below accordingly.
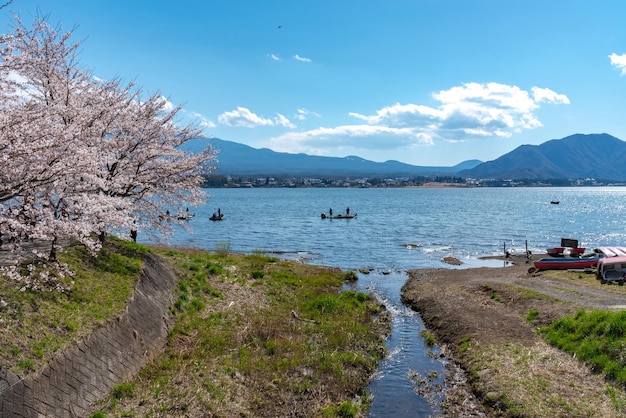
(401, 229)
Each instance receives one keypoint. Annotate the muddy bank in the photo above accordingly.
(482, 317)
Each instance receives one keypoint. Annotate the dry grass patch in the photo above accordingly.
(588, 280)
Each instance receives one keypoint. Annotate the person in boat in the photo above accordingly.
(331, 212)
(347, 211)
(219, 213)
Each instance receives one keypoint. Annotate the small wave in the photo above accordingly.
(393, 353)
(432, 250)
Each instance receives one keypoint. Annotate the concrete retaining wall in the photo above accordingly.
(87, 371)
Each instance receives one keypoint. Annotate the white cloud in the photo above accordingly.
(243, 117)
(303, 114)
(619, 61)
(283, 121)
(472, 110)
(299, 58)
(549, 96)
(469, 111)
(401, 115)
(466, 112)
(319, 141)
(274, 57)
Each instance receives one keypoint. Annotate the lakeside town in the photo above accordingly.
(222, 181)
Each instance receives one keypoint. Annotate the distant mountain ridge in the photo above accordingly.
(578, 156)
(237, 159)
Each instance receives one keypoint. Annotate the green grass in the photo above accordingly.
(251, 333)
(281, 332)
(597, 338)
(429, 338)
(123, 390)
(532, 314)
(37, 324)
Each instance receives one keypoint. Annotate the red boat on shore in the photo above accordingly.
(561, 263)
(581, 262)
(555, 252)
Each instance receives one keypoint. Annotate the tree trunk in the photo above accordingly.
(53, 250)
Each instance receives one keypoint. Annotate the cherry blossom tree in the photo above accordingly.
(82, 157)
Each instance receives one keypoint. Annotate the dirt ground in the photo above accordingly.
(491, 306)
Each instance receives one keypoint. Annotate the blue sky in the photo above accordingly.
(425, 82)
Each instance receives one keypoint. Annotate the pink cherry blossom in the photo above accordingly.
(83, 157)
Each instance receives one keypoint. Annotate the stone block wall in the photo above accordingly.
(87, 371)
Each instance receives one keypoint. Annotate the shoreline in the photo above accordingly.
(479, 316)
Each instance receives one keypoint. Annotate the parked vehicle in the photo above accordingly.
(612, 269)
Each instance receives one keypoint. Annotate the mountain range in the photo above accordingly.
(237, 159)
(579, 156)
(599, 156)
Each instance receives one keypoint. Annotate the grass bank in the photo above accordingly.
(597, 338)
(256, 336)
(253, 335)
(36, 324)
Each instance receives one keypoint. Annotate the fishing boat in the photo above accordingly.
(217, 216)
(563, 251)
(182, 217)
(583, 261)
(556, 251)
(565, 263)
(340, 216)
(568, 247)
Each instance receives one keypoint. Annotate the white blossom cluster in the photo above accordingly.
(81, 157)
(53, 277)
